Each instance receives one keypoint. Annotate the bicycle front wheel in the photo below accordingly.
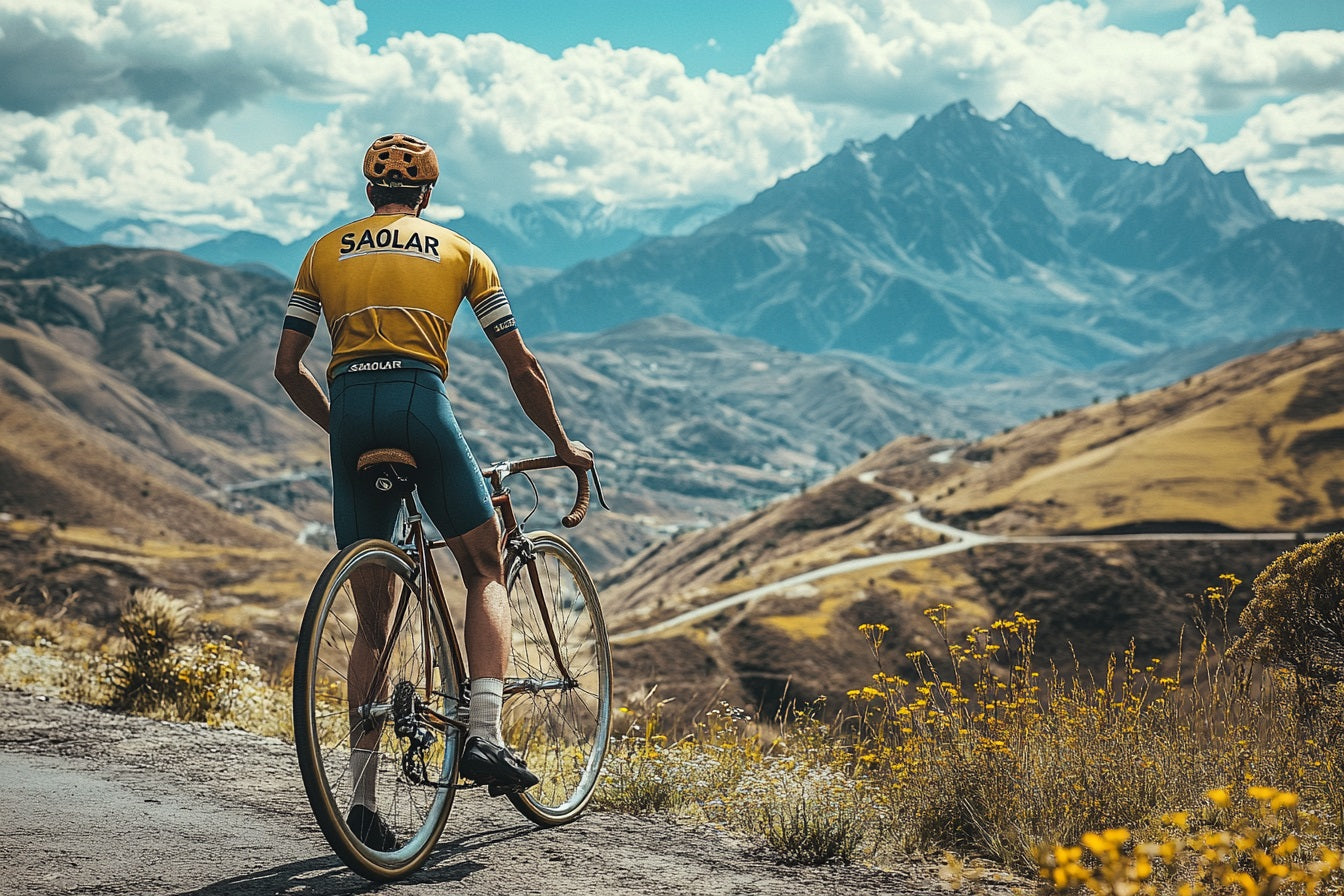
(375, 683)
(557, 707)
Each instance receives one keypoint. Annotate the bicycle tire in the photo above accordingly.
(325, 727)
(559, 729)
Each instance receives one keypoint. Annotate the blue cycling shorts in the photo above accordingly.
(406, 408)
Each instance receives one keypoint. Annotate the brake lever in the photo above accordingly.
(597, 487)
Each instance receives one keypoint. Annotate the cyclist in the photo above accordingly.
(389, 286)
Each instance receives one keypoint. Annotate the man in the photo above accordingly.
(389, 286)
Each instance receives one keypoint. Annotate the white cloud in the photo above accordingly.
(145, 83)
(180, 56)
(509, 122)
(135, 162)
(1293, 154)
(887, 57)
(1131, 93)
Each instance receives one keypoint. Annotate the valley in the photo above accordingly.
(769, 605)
(979, 364)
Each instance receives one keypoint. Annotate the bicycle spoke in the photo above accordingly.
(366, 631)
(559, 723)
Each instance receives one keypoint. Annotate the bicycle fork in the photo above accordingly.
(526, 555)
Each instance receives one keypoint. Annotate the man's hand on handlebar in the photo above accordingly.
(575, 455)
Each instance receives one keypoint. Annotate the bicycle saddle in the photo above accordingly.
(389, 466)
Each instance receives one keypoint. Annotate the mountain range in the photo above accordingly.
(996, 254)
(980, 250)
(902, 298)
(528, 241)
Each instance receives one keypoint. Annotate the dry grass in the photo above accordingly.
(1246, 446)
(163, 665)
(254, 593)
(1206, 778)
(788, 786)
(986, 755)
(812, 623)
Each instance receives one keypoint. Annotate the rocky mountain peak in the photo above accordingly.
(997, 246)
(1023, 116)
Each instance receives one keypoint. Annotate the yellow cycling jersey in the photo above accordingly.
(390, 285)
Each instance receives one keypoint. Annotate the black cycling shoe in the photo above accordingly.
(492, 764)
(370, 828)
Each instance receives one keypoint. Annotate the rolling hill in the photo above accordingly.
(146, 442)
(1255, 444)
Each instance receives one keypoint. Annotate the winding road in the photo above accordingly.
(957, 540)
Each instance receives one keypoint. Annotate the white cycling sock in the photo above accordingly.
(487, 699)
(364, 778)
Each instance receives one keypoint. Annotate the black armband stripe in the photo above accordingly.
(298, 324)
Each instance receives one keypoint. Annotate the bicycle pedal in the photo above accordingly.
(502, 789)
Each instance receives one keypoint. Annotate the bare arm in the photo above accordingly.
(534, 394)
(298, 381)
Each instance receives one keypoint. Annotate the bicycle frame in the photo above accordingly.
(520, 550)
(420, 548)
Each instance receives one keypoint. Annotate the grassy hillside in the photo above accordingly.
(89, 517)
(1253, 445)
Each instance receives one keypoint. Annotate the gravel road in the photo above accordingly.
(99, 803)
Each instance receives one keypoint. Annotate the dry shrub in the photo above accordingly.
(808, 816)
(650, 770)
(169, 669)
(1295, 622)
(145, 674)
(790, 788)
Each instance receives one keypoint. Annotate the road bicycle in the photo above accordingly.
(380, 686)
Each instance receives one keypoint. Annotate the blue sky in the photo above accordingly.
(253, 114)
(726, 35)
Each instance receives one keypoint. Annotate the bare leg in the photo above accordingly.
(373, 603)
(479, 558)
(488, 624)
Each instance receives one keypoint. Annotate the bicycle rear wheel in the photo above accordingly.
(557, 715)
(374, 680)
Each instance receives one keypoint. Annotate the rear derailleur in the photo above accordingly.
(418, 736)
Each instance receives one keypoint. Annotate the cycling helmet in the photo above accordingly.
(400, 160)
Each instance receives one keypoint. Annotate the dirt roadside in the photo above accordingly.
(106, 804)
